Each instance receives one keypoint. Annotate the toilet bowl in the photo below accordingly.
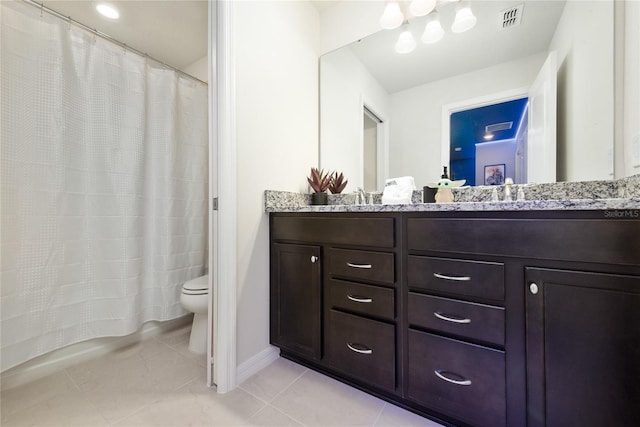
(195, 298)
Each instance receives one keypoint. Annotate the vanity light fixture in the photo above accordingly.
(406, 42)
(422, 7)
(107, 11)
(465, 19)
(433, 31)
(392, 17)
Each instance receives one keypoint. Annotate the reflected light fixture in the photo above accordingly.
(406, 42)
(488, 136)
(433, 31)
(465, 19)
(422, 7)
(392, 17)
(107, 10)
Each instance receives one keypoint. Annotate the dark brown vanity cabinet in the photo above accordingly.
(295, 300)
(583, 348)
(470, 318)
(346, 313)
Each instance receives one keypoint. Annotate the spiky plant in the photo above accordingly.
(319, 180)
(338, 183)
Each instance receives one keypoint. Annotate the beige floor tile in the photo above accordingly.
(197, 406)
(19, 398)
(137, 371)
(69, 409)
(317, 400)
(273, 379)
(394, 416)
(270, 416)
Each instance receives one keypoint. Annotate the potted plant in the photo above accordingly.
(338, 183)
(319, 182)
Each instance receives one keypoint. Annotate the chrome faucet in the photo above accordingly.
(361, 196)
(507, 190)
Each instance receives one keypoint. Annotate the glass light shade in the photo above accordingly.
(433, 31)
(465, 19)
(422, 7)
(392, 17)
(405, 43)
(108, 11)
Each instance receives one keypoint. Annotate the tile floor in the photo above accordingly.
(159, 383)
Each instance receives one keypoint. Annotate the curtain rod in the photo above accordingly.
(107, 37)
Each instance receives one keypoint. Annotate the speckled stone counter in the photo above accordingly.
(622, 194)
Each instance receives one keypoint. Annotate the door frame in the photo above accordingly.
(221, 366)
(477, 102)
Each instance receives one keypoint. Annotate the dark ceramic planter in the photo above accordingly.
(319, 198)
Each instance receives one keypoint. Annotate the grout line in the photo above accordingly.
(379, 414)
(283, 413)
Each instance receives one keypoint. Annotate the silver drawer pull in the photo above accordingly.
(359, 299)
(456, 278)
(440, 374)
(451, 319)
(358, 265)
(357, 350)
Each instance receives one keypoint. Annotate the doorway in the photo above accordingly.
(488, 143)
(370, 137)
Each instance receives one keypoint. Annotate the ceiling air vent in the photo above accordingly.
(498, 126)
(511, 17)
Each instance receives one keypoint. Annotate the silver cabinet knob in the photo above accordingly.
(314, 258)
(533, 288)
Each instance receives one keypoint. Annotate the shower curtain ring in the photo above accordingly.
(41, 9)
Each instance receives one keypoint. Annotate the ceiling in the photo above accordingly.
(484, 45)
(172, 31)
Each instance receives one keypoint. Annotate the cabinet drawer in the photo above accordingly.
(464, 380)
(375, 232)
(366, 299)
(465, 319)
(457, 277)
(361, 348)
(362, 265)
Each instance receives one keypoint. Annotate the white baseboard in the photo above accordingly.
(257, 363)
(58, 360)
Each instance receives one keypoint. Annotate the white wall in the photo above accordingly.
(496, 153)
(348, 21)
(345, 86)
(631, 147)
(199, 69)
(277, 49)
(585, 89)
(415, 135)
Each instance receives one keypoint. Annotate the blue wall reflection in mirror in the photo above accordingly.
(487, 135)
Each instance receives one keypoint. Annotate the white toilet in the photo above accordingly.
(195, 298)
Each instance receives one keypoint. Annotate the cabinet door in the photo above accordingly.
(583, 348)
(296, 298)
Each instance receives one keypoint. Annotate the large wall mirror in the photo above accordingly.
(412, 95)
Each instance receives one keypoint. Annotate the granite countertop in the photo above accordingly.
(622, 194)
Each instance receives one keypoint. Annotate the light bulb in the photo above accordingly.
(108, 11)
(465, 20)
(422, 7)
(433, 30)
(392, 17)
(405, 43)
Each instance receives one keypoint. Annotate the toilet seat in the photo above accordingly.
(197, 286)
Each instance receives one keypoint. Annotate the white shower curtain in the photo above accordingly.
(104, 178)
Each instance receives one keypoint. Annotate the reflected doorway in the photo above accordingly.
(370, 135)
(488, 143)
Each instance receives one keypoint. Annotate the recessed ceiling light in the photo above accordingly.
(488, 136)
(108, 11)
